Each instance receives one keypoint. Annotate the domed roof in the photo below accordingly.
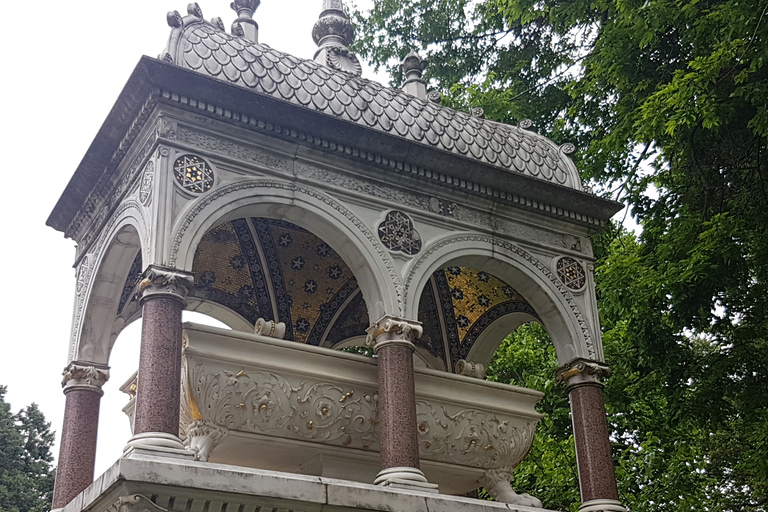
(206, 48)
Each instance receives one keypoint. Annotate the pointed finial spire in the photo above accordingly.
(412, 67)
(333, 33)
(244, 25)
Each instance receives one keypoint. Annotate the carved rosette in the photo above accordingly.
(391, 330)
(471, 437)
(87, 376)
(164, 282)
(583, 372)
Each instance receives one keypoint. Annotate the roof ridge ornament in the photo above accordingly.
(244, 25)
(413, 67)
(333, 33)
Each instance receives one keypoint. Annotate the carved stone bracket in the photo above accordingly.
(203, 437)
(135, 503)
(164, 282)
(391, 330)
(497, 483)
(87, 376)
(583, 372)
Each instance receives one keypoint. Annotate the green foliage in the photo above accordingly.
(668, 102)
(26, 474)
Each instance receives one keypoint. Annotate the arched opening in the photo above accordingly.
(259, 267)
(466, 313)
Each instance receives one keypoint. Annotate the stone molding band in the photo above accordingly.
(583, 372)
(85, 376)
(164, 282)
(602, 506)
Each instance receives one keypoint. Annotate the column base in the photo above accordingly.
(411, 479)
(157, 443)
(602, 506)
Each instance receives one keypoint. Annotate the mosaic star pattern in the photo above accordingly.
(571, 273)
(193, 174)
(397, 233)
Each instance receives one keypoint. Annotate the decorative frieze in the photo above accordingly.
(87, 376)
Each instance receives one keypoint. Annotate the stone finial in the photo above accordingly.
(244, 25)
(333, 33)
(413, 67)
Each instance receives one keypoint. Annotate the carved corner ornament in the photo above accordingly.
(583, 372)
(164, 282)
(392, 330)
(135, 503)
(88, 376)
(497, 483)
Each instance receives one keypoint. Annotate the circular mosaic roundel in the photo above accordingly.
(193, 174)
(571, 273)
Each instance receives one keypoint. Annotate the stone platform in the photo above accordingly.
(143, 481)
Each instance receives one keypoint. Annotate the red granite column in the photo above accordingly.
(392, 340)
(77, 453)
(156, 423)
(597, 480)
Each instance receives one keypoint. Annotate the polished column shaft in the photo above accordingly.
(597, 480)
(77, 452)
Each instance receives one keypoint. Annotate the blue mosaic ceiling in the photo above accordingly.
(259, 267)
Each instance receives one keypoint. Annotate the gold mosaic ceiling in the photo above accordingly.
(259, 267)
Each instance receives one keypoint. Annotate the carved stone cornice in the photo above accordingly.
(164, 282)
(583, 372)
(391, 330)
(88, 376)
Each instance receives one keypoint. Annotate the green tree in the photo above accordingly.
(668, 102)
(26, 474)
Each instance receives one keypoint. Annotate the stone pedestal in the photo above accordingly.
(392, 340)
(156, 425)
(597, 480)
(77, 454)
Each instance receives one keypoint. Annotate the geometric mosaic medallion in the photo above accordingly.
(193, 174)
(571, 273)
(397, 233)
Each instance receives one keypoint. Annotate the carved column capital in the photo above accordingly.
(583, 372)
(165, 282)
(88, 376)
(391, 330)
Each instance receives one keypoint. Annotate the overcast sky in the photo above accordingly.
(65, 65)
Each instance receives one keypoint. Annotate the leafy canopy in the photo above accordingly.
(667, 101)
(26, 474)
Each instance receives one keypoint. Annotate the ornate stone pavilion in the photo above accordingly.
(311, 210)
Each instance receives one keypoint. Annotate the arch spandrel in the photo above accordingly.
(309, 209)
(554, 305)
(102, 276)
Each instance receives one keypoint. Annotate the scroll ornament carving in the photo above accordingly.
(262, 402)
(159, 281)
(84, 376)
(470, 437)
(497, 483)
(470, 369)
(145, 191)
(135, 503)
